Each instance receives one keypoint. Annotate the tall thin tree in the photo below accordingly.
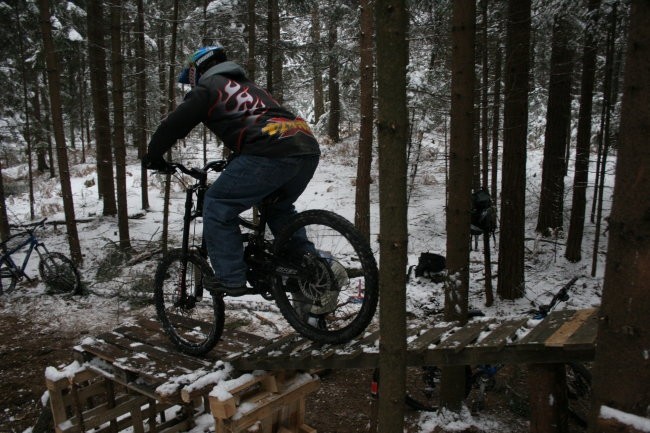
(274, 53)
(59, 136)
(319, 104)
(27, 130)
(515, 130)
(392, 134)
(496, 116)
(364, 161)
(609, 100)
(99, 91)
(4, 220)
(583, 140)
(333, 88)
(622, 364)
(461, 157)
(171, 105)
(558, 122)
(140, 102)
(119, 148)
(251, 66)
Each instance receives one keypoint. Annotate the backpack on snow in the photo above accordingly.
(483, 213)
(429, 265)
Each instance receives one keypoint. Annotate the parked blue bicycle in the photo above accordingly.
(57, 271)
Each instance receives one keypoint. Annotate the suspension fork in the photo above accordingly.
(188, 216)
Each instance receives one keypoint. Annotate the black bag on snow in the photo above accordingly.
(430, 265)
(483, 214)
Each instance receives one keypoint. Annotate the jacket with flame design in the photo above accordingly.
(243, 115)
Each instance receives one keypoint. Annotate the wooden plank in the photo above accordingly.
(464, 336)
(130, 365)
(429, 337)
(547, 327)
(585, 336)
(267, 407)
(501, 335)
(267, 352)
(164, 358)
(559, 338)
(310, 353)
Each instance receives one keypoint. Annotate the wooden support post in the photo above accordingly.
(548, 398)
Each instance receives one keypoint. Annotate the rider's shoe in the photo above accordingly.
(217, 287)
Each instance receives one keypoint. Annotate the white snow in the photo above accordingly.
(109, 303)
(638, 422)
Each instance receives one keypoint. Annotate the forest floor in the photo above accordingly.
(341, 405)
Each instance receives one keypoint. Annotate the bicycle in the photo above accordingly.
(423, 383)
(328, 293)
(57, 271)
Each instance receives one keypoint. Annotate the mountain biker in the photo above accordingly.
(274, 152)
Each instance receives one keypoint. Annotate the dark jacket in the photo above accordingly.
(243, 115)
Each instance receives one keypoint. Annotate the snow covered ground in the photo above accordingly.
(114, 299)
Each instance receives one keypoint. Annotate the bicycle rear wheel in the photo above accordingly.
(192, 317)
(334, 295)
(8, 278)
(59, 273)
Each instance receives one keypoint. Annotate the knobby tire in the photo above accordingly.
(347, 261)
(8, 279)
(60, 273)
(193, 324)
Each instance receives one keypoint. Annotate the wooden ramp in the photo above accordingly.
(561, 337)
(133, 380)
(128, 378)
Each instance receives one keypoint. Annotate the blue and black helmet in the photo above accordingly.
(199, 61)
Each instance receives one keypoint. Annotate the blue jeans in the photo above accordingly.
(245, 182)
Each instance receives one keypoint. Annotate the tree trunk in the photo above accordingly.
(496, 120)
(140, 103)
(39, 139)
(334, 118)
(392, 132)
(27, 131)
(622, 364)
(171, 95)
(48, 127)
(118, 124)
(485, 145)
(252, 22)
(98, 83)
(4, 220)
(463, 80)
(364, 162)
(558, 121)
(609, 101)
(515, 131)
(583, 141)
(274, 54)
(485, 148)
(59, 137)
(319, 104)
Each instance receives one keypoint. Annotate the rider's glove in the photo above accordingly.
(155, 162)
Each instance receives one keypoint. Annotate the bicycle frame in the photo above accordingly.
(34, 244)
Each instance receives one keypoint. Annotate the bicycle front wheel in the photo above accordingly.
(192, 317)
(8, 278)
(59, 273)
(334, 296)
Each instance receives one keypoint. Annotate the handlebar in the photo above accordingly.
(33, 226)
(199, 173)
(561, 296)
